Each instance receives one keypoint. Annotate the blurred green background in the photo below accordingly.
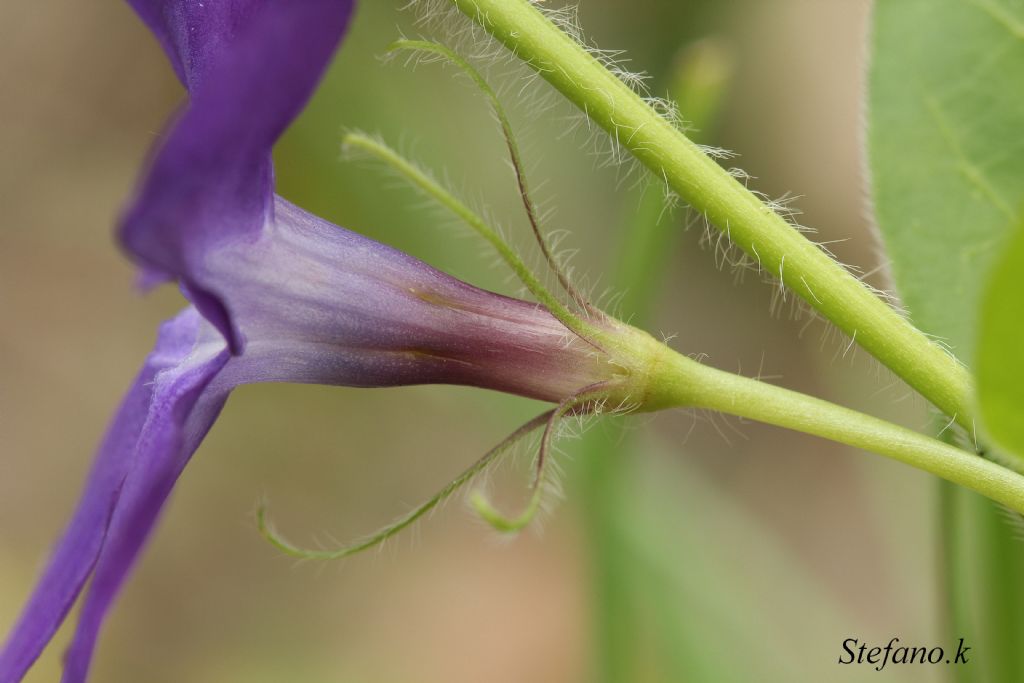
(738, 552)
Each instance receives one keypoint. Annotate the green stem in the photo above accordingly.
(681, 381)
(953, 584)
(775, 245)
(698, 82)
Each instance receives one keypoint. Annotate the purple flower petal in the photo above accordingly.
(250, 68)
(158, 423)
(193, 32)
(315, 303)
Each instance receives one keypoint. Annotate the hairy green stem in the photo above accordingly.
(681, 381)
(700, 76)
(776, 246)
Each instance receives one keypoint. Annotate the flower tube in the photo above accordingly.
(277, 294)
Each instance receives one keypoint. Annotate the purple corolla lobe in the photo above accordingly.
(161, 421)
(249, 66)
(277, 294)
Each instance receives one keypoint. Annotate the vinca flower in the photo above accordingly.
(277, 295)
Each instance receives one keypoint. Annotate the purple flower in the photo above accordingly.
(277, 295)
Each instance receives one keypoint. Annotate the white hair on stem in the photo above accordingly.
(470, 39)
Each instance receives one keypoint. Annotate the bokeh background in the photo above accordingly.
(714, 551)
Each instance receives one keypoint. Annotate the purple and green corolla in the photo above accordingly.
(277, 295)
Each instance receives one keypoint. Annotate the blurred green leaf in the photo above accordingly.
(946, 109)
(947, 165)
(1000, 359)
(706, 591)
